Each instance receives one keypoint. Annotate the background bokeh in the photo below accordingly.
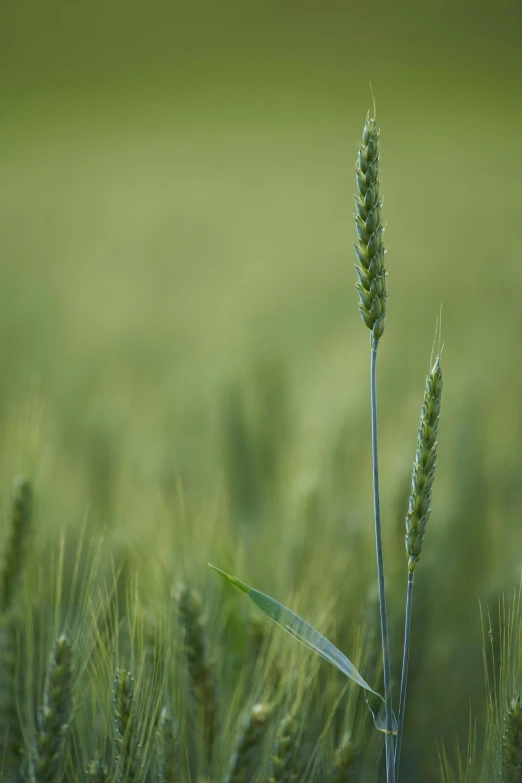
(177, 304)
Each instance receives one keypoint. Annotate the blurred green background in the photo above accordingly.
(177, 302)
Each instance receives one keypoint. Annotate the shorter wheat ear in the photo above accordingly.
(344, 760)
(55, 716)
(245, 761)
(419, 507)
(167, 743)
(21, 508)
(125, 727)
(11, 737)
(97, 771)
(285, 758)
(200, 668)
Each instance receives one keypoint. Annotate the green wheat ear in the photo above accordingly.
(512, 744)
(97, 771)
(370, 251)
(11, 737)
(201, 669)
(125, 728)
(55, 716)
(344, 768)
(419, 507)
(248, 752)
(285, 756)
(167, 753)
(21, 508)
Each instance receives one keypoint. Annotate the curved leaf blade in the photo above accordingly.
(311, 638)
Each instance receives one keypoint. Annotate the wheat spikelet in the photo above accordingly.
(125, 727)
(168, 762)
(21, 507)
(246, 757)
(370, 252)
(284, 761)
(419, 506)
(512, 744)
(55, 715)
(11, 738)
(97, 771)
(344, 761)
(201, 670)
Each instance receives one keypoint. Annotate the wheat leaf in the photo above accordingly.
(304, 633)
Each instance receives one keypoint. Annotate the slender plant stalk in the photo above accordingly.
(389, 743)
(404, 677)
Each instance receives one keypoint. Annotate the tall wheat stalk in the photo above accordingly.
(371, 286)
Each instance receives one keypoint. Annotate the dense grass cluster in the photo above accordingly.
(167, 722)
(81, 715)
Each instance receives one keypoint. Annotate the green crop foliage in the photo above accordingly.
(185, 381)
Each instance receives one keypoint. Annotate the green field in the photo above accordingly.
(184, 365)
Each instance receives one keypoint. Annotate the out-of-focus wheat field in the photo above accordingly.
(179, 336)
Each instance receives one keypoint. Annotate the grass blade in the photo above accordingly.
(311, 638)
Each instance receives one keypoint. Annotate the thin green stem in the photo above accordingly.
(390, 754)
(404, 678)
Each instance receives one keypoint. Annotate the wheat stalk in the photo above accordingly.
(285, 755)
(371, 286)
(55, 716)
(11, 738)
(125, 727)
(97, 771)
(512, 743)
(168, 764)
(248, 744)
(344, 760)
(419, 509)
(21, 508)
(201, 669)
